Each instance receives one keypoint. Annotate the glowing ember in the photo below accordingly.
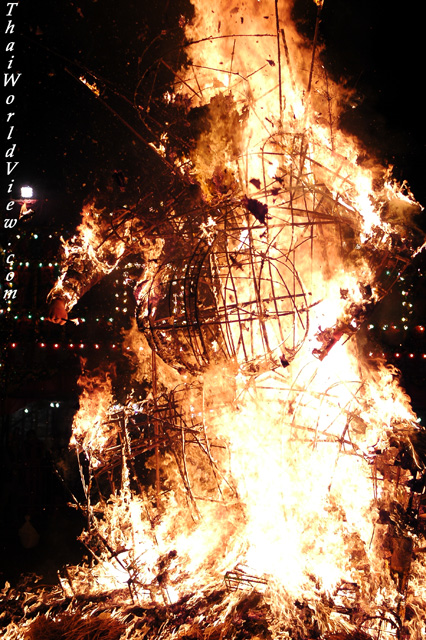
(268, 455)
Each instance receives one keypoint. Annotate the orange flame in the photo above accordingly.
(289, 470)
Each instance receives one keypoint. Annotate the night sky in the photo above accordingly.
(380, 52)
(68, 140)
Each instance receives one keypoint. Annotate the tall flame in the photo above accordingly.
(277, 466)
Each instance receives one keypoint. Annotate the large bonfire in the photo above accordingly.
(271, 482)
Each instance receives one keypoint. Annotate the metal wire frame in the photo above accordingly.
(241, 579)
(183, 431)
(238, 287)
(180, 433)
(162, 423)
(205, 316)
(383, 626)
(237, 293)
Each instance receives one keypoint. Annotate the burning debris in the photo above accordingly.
(270, 484)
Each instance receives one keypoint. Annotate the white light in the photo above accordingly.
(26, 192)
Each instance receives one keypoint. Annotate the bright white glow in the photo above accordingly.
(26, 192)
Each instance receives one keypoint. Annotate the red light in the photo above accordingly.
(397, 355)
(411, 355)
(56, 346)
(13, 345)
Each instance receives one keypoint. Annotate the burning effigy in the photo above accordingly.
(271, 483)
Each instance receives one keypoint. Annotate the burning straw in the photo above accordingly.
(271, 483)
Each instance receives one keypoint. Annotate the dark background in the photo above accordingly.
(69, 143)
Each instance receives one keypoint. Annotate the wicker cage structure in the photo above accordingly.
(237, 297)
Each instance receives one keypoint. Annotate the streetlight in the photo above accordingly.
(26, 192)
(27, 198)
